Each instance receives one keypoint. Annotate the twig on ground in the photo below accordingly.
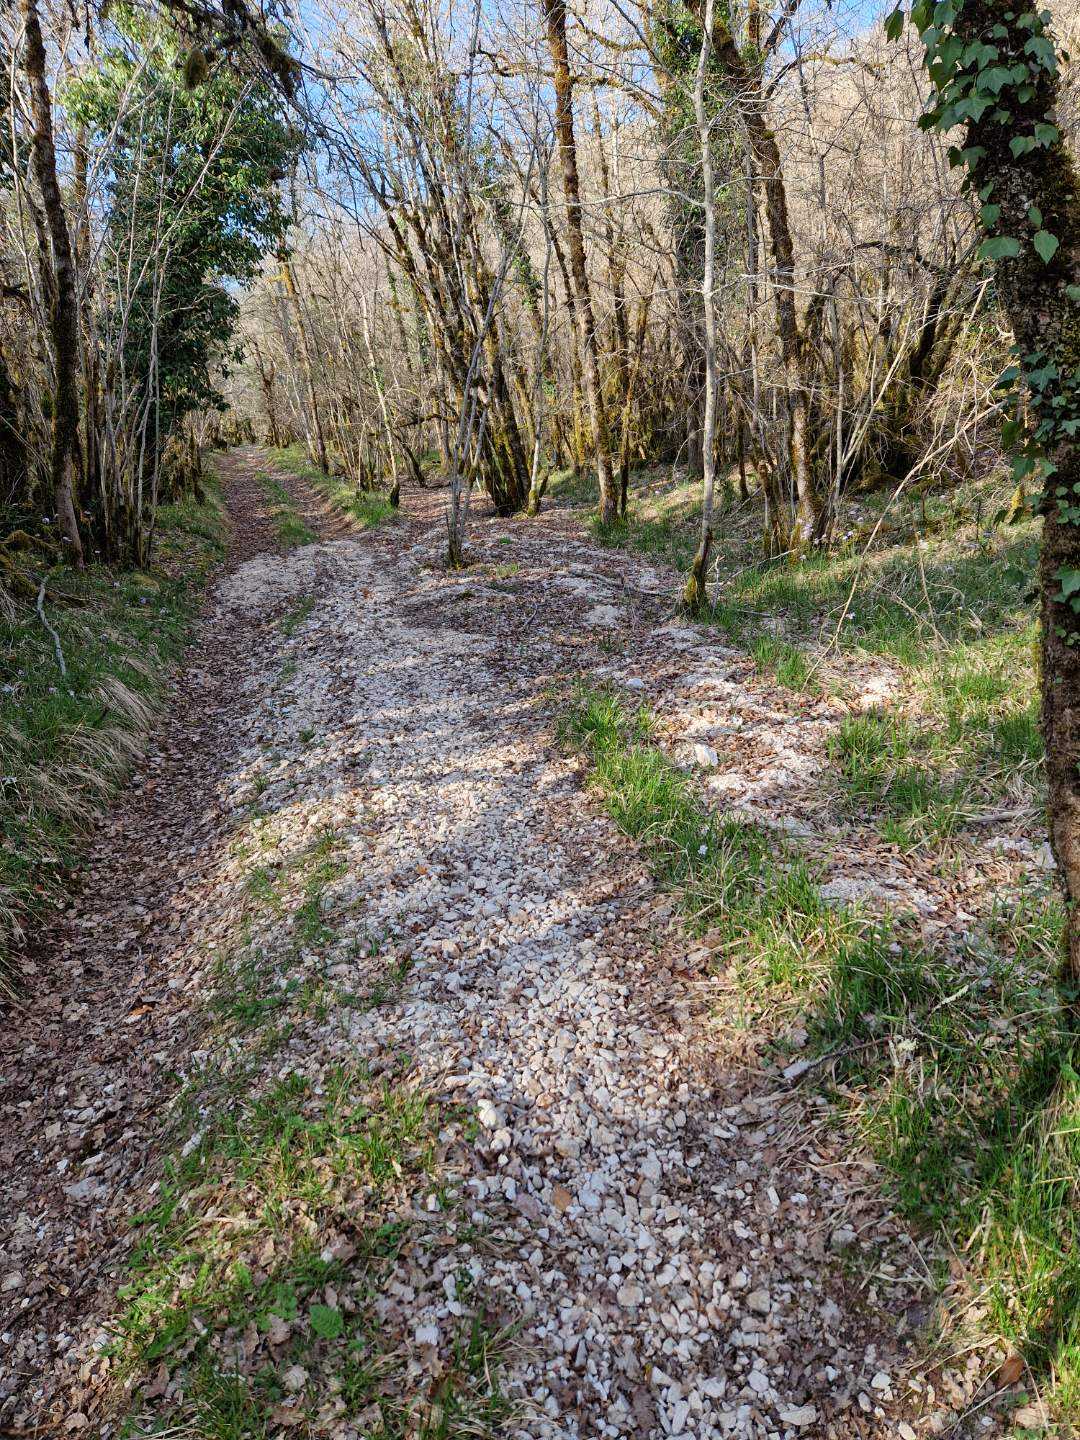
(49, 628)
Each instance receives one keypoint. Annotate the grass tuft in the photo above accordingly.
(66, 741)
(256, 1298)
(942, 599)
(292, 529)
(367, 507)
(955, 1067)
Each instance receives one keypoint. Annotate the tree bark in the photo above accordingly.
(811, 517)
(1045, 320)
(316, 434)
(267, 374)
(580, 293)
(695, 593)
(64, 305)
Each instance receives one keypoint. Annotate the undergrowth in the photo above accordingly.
(291, 527)
(366, 507)
(953, 1066)
(67, 739)
(939, 594)
(282, 1217)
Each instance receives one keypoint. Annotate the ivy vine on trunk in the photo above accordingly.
(995, 68)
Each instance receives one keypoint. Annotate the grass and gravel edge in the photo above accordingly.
(954, 1068)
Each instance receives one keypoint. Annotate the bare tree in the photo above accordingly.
(62, 297)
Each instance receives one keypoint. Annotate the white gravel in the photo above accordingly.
(644, 1222)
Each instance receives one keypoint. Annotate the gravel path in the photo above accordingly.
(661, 1228)
(668, 1285)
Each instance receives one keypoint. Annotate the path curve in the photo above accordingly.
(630, 1209)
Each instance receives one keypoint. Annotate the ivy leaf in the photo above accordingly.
(1001, 247)
(1046, 134)
(1042, 50)
(1039, 376)
(989, 214)
(1046, 244)
(1073, 292)
(894, 25)
(1022, 467)
(326, 1321)
(1069, 581)
(974, 108)
(1022, 145)
(1035, 216)
(996, 78)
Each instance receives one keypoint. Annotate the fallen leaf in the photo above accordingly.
(284, 1415)
(1012, 1370)
(294, 1379)
(158, 1384)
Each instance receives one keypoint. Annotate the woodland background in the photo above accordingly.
(731, 287)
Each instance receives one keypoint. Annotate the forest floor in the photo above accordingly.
(384, 1080)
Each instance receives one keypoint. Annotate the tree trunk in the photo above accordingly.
(695, 594)
(811, 517)
(267, 375)
(316, 435)
(1037, 198)
(64, 306)
(628, 402)
(580, 294)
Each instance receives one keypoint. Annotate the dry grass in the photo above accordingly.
(67, 739)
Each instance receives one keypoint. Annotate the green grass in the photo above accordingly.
(954, 1067)
(971, 1104)
(664, 526)
(67, 741)
(760, 906)
(954, 618)
(234, 1237)
(295, 616)
(319, 866)
(968, 741)
(386, 989)
(257, 1273)
(280, 1224)
(571, 487)
(790, 665)
(940, 596)
(292, 530)
(367, 507)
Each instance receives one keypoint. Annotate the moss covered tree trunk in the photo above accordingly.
(63, 302)
(995, 68)
(811, 514)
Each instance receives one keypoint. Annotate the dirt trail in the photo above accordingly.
(660, 1226)
(107, 1005)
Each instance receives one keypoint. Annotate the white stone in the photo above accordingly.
(799, 1415)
